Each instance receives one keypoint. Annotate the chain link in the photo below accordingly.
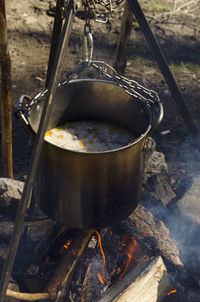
(132, 87)
(107, 72)
(99, 10)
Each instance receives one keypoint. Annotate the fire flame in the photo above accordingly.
(101, 275)
(65, 246)
(172, 292)
(48, 260)
(133, 253)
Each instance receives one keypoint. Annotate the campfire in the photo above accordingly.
(136, 259)
(85, 265)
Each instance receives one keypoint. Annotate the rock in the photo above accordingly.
(6, 230)
(189, 203)
(156, 164)
(10, 195)
(159, 189)
(157, 183)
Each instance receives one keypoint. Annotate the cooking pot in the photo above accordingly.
(92, 190)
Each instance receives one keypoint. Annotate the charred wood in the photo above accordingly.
(59, 283)
(88, 289)
(155, 236)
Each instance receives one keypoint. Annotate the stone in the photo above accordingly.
(157, 183)
(10, 195)
(189, 203)
(156, 164)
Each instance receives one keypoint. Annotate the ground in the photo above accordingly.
(176, 28)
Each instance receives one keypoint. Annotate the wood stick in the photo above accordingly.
(125, 32)
(27, 296)
(60, 282)
(6, 101)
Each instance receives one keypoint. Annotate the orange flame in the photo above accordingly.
(132, 250)
(101, 275)
(172, 292)
(65, 246)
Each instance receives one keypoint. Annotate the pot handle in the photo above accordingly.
(22, 109)
(160, 113)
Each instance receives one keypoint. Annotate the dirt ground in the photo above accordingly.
(29, 31)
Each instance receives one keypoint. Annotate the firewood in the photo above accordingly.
(59, 283)
(156, 235)
(149, 282)
(88, 289)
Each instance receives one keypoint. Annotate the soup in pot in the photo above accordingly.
(89, 136)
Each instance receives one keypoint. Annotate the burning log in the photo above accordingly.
(155, 234)
(149, 282)
(61, 279)
(88, 289)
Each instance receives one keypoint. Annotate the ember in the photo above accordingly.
(172, 292)
(65, 246)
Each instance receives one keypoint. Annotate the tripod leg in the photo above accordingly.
(124, 36)
(57, 27)
(37, 148)
(164, 68)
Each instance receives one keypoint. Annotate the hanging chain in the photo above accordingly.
(106, 71)
(132, 87)
(101, 10)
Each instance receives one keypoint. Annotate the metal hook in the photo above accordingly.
(87, 45)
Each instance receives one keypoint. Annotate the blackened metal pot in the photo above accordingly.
(92, 190)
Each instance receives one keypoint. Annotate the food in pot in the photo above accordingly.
(89, 136)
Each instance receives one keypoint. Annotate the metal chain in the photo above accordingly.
(101, 10)
(132, 87)
(107, 72)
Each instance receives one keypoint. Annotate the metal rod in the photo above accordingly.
(6, 96)
(57, 28)
(164, 68)
(64, 38)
